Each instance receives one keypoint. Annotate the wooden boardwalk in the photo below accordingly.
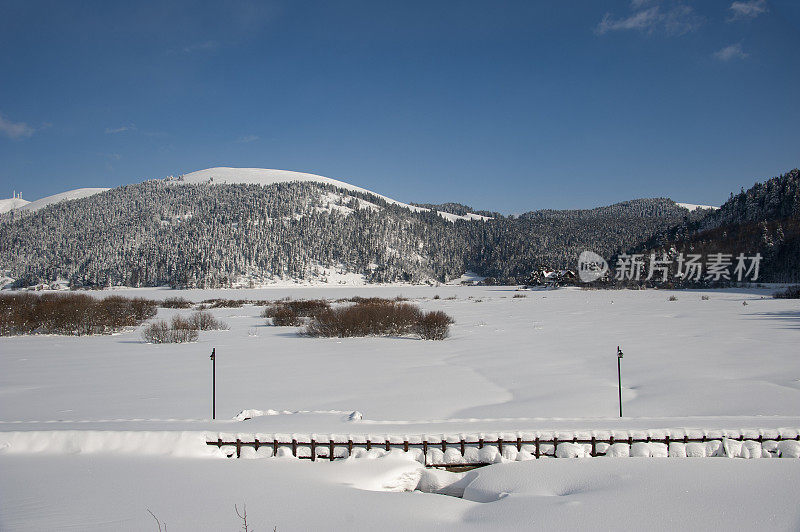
(466, 451)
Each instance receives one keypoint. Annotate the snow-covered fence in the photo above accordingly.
(467, 450)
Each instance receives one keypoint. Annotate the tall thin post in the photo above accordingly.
(214, 383)
(619, 378)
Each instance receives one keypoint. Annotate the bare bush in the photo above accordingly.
(375, 317)
(204, 321)
(793, 292)
(70, 314)
(224, 303)
(673, 298)
(291, 312)
(518, 296)
(182, 330)
(176, 302)
(286, 317)
(157, 333)
(433, 325)
(179, 330)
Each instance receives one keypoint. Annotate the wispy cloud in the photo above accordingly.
(248, 138)
(122, 129)
(15, 130)
(198, 47)
(651, 16)
(747, 10)
(729, 53)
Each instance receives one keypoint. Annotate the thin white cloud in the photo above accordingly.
(15, 130)
(122, 129)
(641, 20)
(729, 53)
(205, 46)
(747, 10)
(248, 138)
(670, 19)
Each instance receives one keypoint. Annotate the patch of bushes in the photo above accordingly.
(379, 318)
(176, 302)
(224, 303)
(291, 312)
(70, 314)
(204, 321)
(673, 298)
(181, 330)
(518, 296)
(286, 317)
(793, 292)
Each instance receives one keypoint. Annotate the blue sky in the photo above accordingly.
(508, 106)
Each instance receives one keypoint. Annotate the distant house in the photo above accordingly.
(548, 277)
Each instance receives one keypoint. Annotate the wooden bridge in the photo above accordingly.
(472, 451)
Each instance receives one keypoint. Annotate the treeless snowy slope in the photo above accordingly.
(78, 193)
(263, 176)
(12, 203)
(693, 207)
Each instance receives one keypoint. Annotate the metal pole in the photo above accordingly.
(214, 383)
(619, 378)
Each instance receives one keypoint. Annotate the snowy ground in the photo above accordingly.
(543, 362)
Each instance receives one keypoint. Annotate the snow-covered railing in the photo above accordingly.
(481, 449)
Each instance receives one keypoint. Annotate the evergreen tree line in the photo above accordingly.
(764, 219)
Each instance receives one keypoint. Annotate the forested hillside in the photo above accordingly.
(214, 235)
(764, 219)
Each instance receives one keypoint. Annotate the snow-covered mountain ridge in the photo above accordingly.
(265, 177)
(32, 206)
(12, 203)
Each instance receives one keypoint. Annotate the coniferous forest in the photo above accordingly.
(162, 232)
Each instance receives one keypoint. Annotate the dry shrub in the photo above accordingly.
(157, 333)
(182, 330)
(290, 312)
(176, 302)
(224, 303)
(371, 300)
(793, 292)
(518, 296)
(375, 317)
(70, 314)
(179, 330)
(204, 321)
(433, 326)
(286, 317)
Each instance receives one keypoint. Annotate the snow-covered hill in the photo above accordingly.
(12, 203)
(264, 176)
(78, 193)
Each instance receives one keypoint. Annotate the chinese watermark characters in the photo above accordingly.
(694, 267)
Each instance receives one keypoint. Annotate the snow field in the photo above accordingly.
(95, 430)
(104, 492)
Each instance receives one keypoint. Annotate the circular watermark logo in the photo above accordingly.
(591, 267)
